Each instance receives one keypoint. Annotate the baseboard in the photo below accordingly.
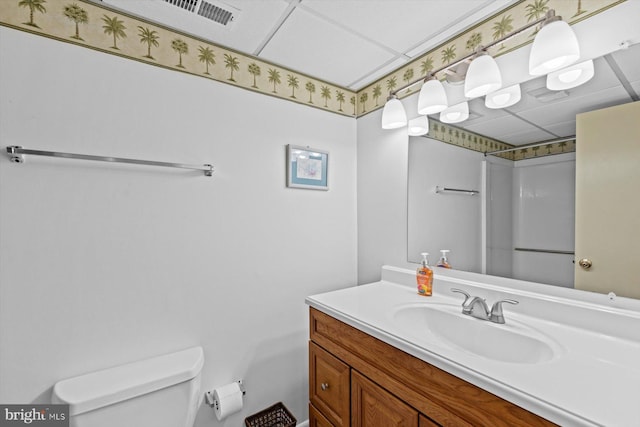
(303, 424)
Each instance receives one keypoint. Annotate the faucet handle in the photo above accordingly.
(496, 315)
(466, 295)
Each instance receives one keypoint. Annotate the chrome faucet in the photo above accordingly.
(477, 307)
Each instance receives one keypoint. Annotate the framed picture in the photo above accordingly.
(307, 168)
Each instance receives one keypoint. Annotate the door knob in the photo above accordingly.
(324, 386)
(585, 263)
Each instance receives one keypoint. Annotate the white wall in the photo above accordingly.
(103, 264)
(446, 220)
(382, 197)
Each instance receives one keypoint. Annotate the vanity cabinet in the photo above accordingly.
(359, 381)
(316, 419)
(371, 405)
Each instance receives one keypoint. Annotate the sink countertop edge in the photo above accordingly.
(518, 396)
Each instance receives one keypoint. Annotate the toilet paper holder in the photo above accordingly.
(211, 401)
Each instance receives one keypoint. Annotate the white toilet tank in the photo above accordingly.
(163, 391)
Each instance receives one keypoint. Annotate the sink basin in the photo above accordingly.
(512, 342)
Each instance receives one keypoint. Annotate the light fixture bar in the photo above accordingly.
(537, 144)
(549, 13)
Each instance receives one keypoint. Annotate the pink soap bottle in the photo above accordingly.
(443, 261)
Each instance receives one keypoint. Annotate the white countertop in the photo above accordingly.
(593, 380)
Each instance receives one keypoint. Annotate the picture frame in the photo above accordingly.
(307, 168)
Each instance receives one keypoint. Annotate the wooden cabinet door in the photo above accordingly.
(329, 385)
(427, 422)
(372, 406)
(316, 419)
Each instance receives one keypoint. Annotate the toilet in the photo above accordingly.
(163, 391)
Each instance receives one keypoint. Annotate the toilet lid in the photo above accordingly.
(108, 386)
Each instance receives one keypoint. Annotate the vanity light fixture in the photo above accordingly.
(418, 126)
(456, 113)
(504, 97)
(432, 98)
(554, 47)
(570, 77)
(483, 76)
(393, 114)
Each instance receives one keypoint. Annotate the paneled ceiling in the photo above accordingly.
(352, 43)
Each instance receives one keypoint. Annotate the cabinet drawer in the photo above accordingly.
(329, 385)
(316, 419)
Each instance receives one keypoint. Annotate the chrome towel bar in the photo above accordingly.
(16, 154)
(456, 190)
(546, 251)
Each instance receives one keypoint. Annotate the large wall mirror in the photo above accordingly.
(521, 223)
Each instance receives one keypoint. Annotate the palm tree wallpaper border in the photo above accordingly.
(472, 141)
(98, 27)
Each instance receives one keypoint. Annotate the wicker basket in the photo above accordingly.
(274, 416)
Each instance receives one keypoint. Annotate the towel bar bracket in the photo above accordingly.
(13, 154)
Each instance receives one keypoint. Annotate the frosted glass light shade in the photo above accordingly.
(483, 76)
(432, 98)
(456, 113)
(504, 97)
(418, 126)
(554, 47)
(393, 114)
(572, 76)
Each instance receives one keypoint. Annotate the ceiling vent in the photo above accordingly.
(543, 94)
(221, 13)
(215, 13)
(189, 5)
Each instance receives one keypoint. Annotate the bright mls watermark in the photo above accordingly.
(34, 415)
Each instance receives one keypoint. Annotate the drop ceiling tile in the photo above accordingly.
(255, 20)
(527, 136)
(393, 23)
(629, 62)
(563, 129)
(567, 109)
(314, 46)
(498, 127)
(381, 72)
(448, 29)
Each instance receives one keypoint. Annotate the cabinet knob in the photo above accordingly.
(324, 386)
(585, 263)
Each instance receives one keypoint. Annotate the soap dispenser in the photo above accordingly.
(444, 262)
(424, 277)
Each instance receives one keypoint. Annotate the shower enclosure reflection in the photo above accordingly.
(530, 219)
(520, 225)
